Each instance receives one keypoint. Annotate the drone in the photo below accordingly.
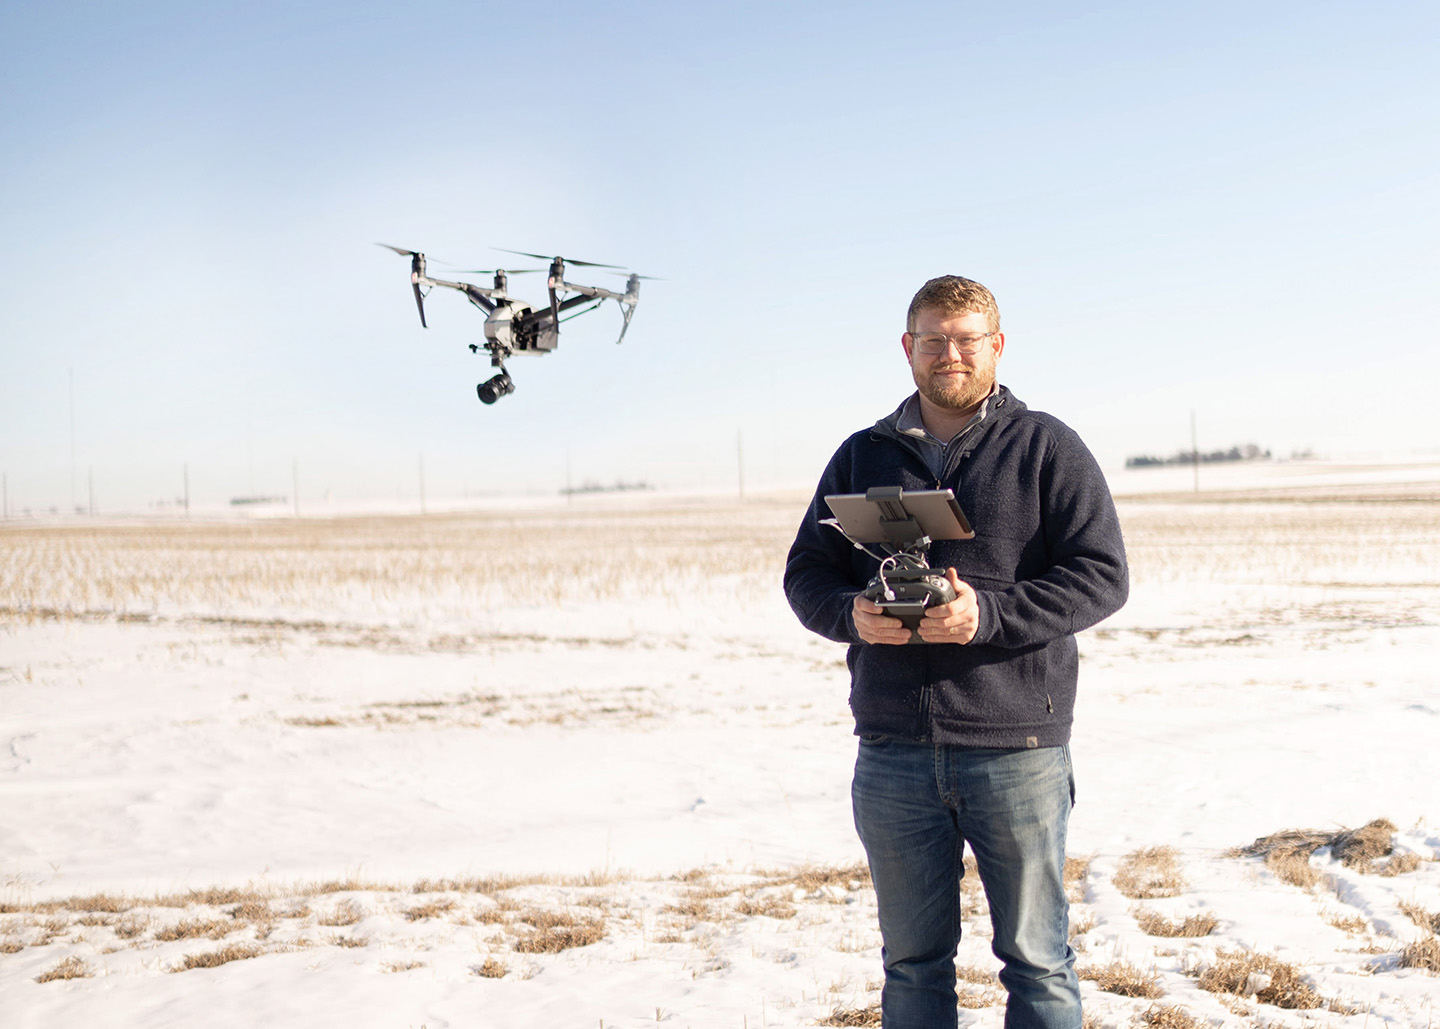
(513, 326)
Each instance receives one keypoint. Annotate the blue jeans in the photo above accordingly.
(916, 805)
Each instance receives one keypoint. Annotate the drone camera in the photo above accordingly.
(494, 388)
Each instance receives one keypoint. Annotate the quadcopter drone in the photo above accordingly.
(513, 326)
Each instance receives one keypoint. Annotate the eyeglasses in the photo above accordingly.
(933, 343)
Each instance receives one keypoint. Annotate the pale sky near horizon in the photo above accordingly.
(1226, 208)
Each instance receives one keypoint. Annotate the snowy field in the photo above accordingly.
(575, 764)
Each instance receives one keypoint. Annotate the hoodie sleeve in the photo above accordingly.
(821, 574)
(1088, 577)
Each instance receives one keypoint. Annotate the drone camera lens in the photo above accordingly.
(493, 389)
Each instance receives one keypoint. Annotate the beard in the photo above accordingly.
(955, 396)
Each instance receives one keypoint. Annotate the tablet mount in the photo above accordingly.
(903, 525)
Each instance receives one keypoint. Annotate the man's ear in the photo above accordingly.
(906, 341)
(999, 342)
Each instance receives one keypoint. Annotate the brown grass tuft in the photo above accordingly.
(1125, 979)
(215, 958)
(851, 1017)
(1423, 954)
(1358, 848)
(1153, 924)
(1150, 872)
(345, 913)
(1077, 871)
(1355, 848)
(813, 877)
(131, 926)
(1239, 973)
(1424, 919)
(70, 968)
(551, 939)
(434, 909)
(769, 907)
(1400, 864)
(1292, 866)
(1348, 923)
(491, 969)
(402, 966)
(1170, 1017)
(190, 928)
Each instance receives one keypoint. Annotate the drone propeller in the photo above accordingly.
(551, 257)
(627, 275)
(398, 250)
(492, 271)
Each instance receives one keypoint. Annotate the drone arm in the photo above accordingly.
(593, 291)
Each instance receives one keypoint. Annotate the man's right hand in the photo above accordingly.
(874, 626)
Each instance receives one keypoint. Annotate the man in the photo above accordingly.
(965, 737)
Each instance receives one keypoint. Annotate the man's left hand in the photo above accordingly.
(955, 622)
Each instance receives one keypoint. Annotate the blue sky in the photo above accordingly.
(1225, 208)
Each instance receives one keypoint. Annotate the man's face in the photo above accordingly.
(953, 381)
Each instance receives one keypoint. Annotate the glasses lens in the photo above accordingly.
(938, 343)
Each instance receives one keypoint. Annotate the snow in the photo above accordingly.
(395, 739)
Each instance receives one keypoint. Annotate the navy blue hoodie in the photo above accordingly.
(1047, 561)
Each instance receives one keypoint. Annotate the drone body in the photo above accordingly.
(513, 326)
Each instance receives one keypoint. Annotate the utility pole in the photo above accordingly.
(71, 372)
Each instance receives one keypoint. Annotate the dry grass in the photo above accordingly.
(1124, 979)
(70, 968)
(1423, 954)
(316, 566)
(1153, 924)
(1170, 1017)
(1269, 980)
(768, 907)
(402, 966)
(345, 913)
(1077, 872)
(1400, 864)
(491, 969)
(215, 958)
(190, 928)
(432, 909)
(1150, 872)
(852, 1017)
(1348, 923)
(1293, 867)
(1359, 849)
(554, 932)
(1424, 919)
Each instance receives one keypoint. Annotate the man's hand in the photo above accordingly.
(874, 626)
(955, 622)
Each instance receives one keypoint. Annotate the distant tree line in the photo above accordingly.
(1246, 452)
